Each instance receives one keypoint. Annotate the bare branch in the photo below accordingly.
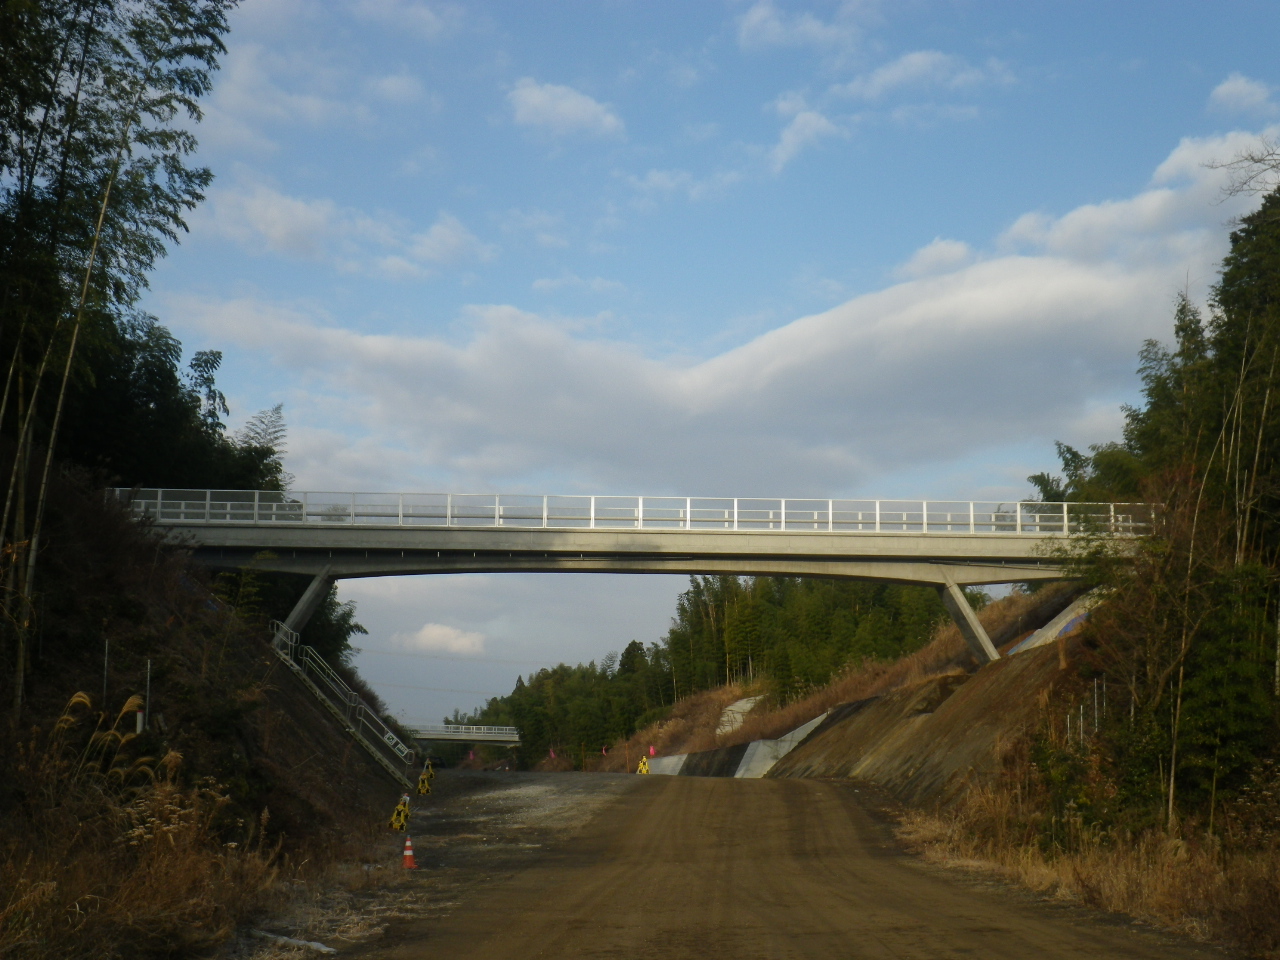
(1253, 171)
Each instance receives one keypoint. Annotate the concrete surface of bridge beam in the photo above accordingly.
(350, 564)
(397, 551)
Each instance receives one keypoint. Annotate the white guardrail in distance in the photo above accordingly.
(360, 718)
(464, 732)
(637, 513)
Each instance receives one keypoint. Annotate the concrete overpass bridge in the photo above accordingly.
(464, 733)
(330, 536)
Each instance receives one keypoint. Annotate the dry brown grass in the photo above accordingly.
(1205, 885)
(106, 855)
(691, 727)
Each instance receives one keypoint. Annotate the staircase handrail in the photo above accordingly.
(353, 709)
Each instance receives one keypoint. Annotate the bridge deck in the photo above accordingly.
(363, 535)
(467, 733)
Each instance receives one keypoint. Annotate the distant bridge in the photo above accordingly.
(944, 544)
(467, 733)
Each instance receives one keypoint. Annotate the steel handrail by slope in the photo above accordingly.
(356, 716)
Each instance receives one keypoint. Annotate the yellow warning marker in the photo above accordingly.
(430, 771)
(644, 765)
(400, 816)
(424, 780)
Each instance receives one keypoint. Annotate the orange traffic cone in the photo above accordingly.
(409, 862)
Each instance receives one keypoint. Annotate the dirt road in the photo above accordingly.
(683, 867)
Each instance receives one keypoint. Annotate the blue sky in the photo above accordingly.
(717, 248)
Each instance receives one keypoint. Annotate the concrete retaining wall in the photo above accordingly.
(741, 760)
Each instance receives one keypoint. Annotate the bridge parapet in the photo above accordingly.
(584, 512)
(467, 733)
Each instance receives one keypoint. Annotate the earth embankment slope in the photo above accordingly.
(176, 829)
(925, 742)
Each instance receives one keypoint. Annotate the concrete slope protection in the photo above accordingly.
(690, 868)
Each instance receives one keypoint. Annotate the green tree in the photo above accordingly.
(95, 98)
(1189, 633)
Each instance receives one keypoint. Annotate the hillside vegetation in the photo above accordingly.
(783, 637)
(118, 839)
(1164, 800)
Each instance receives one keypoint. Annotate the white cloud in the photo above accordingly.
(547, 229)
(1029, 340)
(561, 110)
(764, 25)
(439, 638)
(258, 90)
(401, 88)
(262, 218)
(595, 284)
(939, 256)
(924, 69)
(1240, 95)
(807, 127)
(665, 182)
(431, 21)
(448, 241)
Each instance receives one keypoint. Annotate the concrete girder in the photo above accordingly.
(354, 551)
(343, 565)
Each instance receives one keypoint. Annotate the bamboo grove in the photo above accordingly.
(1190, 637)
(97, 102)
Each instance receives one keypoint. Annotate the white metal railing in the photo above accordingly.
(463, 731)
(637, 513)
(358, 715)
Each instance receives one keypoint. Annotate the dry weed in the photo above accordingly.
(691, 726)
(113, 856)
(1197, 884)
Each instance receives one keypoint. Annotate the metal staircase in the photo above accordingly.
(357, 717)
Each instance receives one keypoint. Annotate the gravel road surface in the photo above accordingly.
(684, 867)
